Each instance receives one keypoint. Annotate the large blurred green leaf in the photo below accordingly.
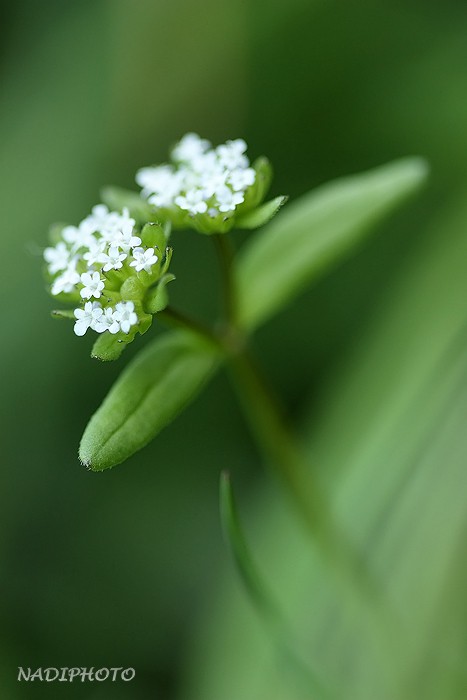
(152, 390)
(314, 232)
(391, 443)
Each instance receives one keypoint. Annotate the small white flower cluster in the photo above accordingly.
(85, 255)
(93, 316)
(200, 179)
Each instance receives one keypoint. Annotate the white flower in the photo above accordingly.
(113, 259)
(212, 180)
(190, 147)
(71, 234)
(99, 219)
(125, 315)
(66, 282)
(124, 222)
(107, 322)
(201, 179)
(143, 259)
(155, 179)
(125, 239)
(95, 247)
(231, 154)
(166, 192)
(240, 178)
(198, 174)
(228, 200)
(188, 177)
(165, 199)
(106, 223)
(57, 257)
(93, 285)
(77, 237)
(193, 202)
(87, 317)
(205, 164)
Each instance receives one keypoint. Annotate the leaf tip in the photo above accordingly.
(225, 481)
(416, 168)
(86, 456)
(87, 461)
(107, 348)
(226, 504)
(95, 356)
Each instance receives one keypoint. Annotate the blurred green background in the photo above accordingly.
(123, 568)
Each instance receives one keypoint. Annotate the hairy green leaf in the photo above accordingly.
(315, 232)
(151, 391)
(108, 347)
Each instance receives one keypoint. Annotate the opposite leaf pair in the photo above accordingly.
(314, 233)
(115, 262)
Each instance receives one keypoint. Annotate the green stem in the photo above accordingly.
(174, 317)
(355, 582)
(258, 401)
(291, 467)
(275, 439)
(261, 407)
(357, 588)
(280, 445)
(264, 415)
(225, 254)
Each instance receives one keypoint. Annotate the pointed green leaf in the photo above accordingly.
(157, 297)
(117, 198)
(152, 390)
(108, 347)
(166, 261)
(315, 232)
(132, 289)
(262, 598)
(235, 538)
(167, 226)
(153, 236)
(260, 216)
(263, 169)
(63, 313)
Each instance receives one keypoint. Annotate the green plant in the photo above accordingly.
(119, 257)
